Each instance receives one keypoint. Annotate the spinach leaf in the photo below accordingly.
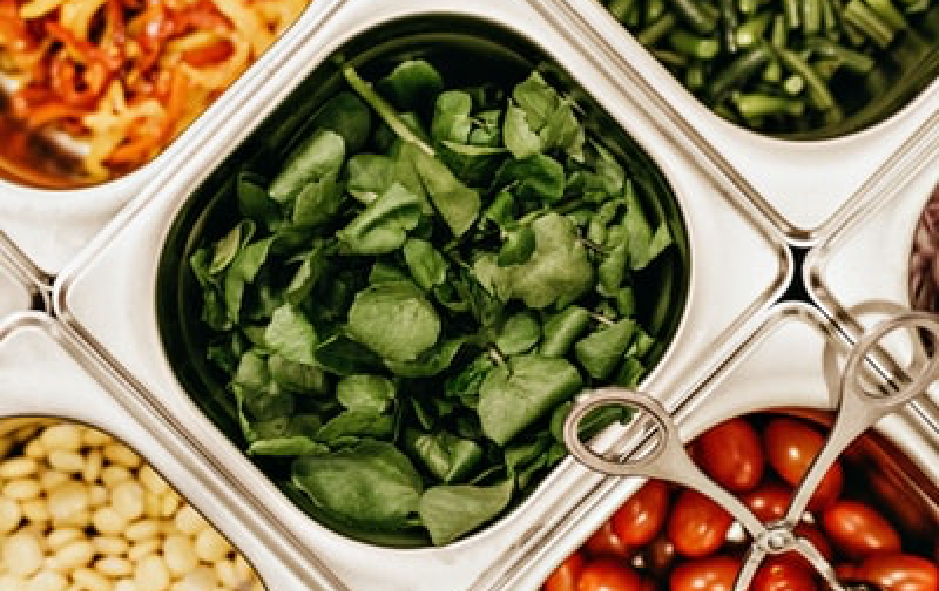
(359, 423)
(291, 335)
(562, 328)
(394, 320)
(243, 270)
(369, 175)
(519, 334)
(428, 267)
(601, 352)
(314, 161)
(536, 179)
(449, 512)
(341, 355)
(429, 363)
(346, 115)
(452, 121)
(411, 85)
(457, 203)
(643, 244)
(522, 392)
(445, 455)
(372, 484)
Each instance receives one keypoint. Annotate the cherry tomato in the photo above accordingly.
(713, 573)
(641, 517)
(777, 574)
(857, 529)
(697, 525)
(790, 446)
(610, 575)
(769, 501)
(660, 554)
(732, 455)
(605, 542)
(898, 572)
(565, 577)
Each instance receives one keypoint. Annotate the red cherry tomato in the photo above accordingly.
(732, 455)
(790, 446)
(697, 525)
(641, 517)
(605, 542)
(769, 501)
(898, 572)
(713, 573)
(565, 577)
(610, 575)
(777, 574)
(857, 529)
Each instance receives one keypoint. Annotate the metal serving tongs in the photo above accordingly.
(661, 454)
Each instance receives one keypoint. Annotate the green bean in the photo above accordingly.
(793, 84)
(729, 23)
(670, 58)
(694, 77)
(852, 60)
(651, 34)
(811, 16)
(620, 8)
(830, 19)
(773, 72)
(792, 11)
(888, 13)
(696, 14)
(692, 46)
(753, 30)
(818, 90)
(866, 20)
(737, 72)
(761, 105)
(780, 36)
(749, 7)
(654, 10)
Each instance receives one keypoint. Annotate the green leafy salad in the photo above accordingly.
(404, 308)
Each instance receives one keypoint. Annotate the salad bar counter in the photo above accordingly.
(339, 330)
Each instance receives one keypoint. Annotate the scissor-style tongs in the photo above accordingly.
(663, 455)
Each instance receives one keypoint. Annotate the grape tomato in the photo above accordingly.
(667, 538)
(731, 454)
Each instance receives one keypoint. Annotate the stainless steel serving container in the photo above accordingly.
(800, 185)
(763, 374)
(43, 372)
(50, 226)
(106, 296)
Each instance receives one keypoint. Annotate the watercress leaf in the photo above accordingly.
(411, 85)
(312, 265)
(383, 226)
(630, 373)
(427, 265)
(296, 377)
(518, 246)
(318, 202)
(643, 245)
(372, 484)
(361, 423)
(518, 135)
(520, 333)
(536, 98)
(430, 362)
(626, 301)
(452, 120)
(394, 320)
(558, 272)
(608, 169)
(227, 248)
(502, 209)
(612, 270)
(537, 179)
(465, 385)
(341, 355)
(562, 131)
(291, 445)
(254, 202)
(366, 392)
(368, 176)
(451, 511)
(484, 304)
(601, 352)
(346, 115)
(316, 158)
(641, 344)
(457, 203)
(386, 273)
(291, 335)
(446, 456)
(524, 453)
(562, 329)
(242, 270)
(516, 395)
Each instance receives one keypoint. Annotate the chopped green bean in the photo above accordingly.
(694, 78)
(740, 70)
(792, 10)
(888, 13)
(670, 58)
(749, 7)
(696, 14)
(794, 85)
(761, 105)
(818, 90)
(780, 36)
(753, 29)
(773, 72)
(866, 20)
(729, 24)
(620, 8)
(850, 59)
(651, 34)
(692, 46)
(654, 10)
(811, 16)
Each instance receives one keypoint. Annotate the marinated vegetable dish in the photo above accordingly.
(79, 510)
(398, 309)
(924, 258)
(93, 89)
(796, 68)
(667, 537)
